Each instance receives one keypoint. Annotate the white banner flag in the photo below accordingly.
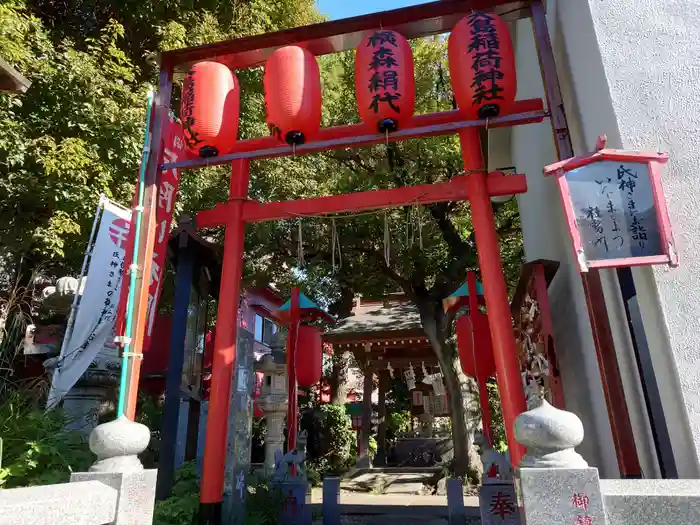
(93, 329)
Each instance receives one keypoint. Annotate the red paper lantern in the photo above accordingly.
(474, 346)
(384, 83)
(209, 109)
(309, 356)
(292, 84)
(482, 65)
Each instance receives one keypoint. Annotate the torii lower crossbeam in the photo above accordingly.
(454, 190)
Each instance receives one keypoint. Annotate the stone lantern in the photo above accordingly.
(272, 402)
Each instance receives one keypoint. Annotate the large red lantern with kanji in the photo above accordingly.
(292, 83)
(309, 356)
(384, 83)
(482, 65)
(209, 109)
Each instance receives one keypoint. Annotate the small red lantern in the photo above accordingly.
(209, 109)
(482, 65)
(474, 345)
(292, 83)
(309, 362)
(384, 83)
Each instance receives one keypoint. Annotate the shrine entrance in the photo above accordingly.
(387, 341)
(477, 186)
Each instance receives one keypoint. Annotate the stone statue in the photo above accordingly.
(497, 467)
(291, 465)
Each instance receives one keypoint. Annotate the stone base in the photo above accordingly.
(663, 501)
(137, 493)
(498, 504)
(295, 510)
(567, 496)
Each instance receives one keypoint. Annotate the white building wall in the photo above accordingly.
(589, 103)
(650, 55)
(650, 51)
(615, 61)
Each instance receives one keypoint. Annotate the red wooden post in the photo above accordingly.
(224, 351)
(495, 291)
(295, 317)
(146, 242)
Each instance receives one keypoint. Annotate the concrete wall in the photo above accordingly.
(628, 69)
(650, 52)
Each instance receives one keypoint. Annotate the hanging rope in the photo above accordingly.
(420, 230)
(387, 240)
(300, 249)
(335, 246)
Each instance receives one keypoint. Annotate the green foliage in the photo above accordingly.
(398, 422)
(331, 445)
(181, 507)
(263, 501)
(36, 449)
(498, 429)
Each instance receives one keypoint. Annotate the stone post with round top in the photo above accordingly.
(556, 485)
(117, 445)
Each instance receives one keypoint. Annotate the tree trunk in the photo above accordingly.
(460, 389)
(339, 378)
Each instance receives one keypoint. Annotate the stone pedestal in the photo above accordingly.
(555, 483)
(498, 504)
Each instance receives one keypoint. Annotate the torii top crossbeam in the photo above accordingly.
(418, 21)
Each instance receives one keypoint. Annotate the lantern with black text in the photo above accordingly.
(384, 83)
(309, 356)
(209, 109)
(482, 65)
(292, 83)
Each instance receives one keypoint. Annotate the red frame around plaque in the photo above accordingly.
(653, 162)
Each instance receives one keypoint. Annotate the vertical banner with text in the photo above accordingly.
(168, 182)
(93, 328)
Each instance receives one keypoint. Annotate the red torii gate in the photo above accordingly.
(477, 187)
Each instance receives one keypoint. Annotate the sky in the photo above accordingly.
(346, 8)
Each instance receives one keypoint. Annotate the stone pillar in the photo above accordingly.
(240, 425)
(556, 484)
(364, 461)
(117, 445)
(381, 409)
(273, 403)
(201, 434)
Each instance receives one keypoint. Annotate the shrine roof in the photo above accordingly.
(372, 320)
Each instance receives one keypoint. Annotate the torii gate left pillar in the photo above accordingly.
(224, 348)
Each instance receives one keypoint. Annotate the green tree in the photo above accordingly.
(77, 132)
